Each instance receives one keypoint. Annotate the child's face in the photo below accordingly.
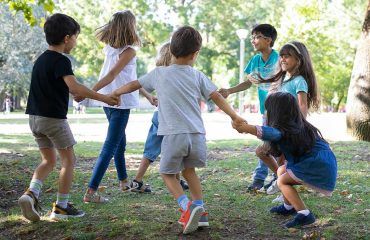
(288, 63)
(260, 42)
(70, 42)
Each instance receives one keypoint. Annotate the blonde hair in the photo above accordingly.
(164, 55)
(120, 31)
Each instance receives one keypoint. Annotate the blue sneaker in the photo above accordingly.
(282, 210)
(300, 220)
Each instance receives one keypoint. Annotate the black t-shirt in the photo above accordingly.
(49, 94)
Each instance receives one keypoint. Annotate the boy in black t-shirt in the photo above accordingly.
(52, 81)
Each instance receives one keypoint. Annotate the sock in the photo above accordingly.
(288, 207)
(35, 187)
(199, 202)
(183, 201)
(304, 212)
(62, 200)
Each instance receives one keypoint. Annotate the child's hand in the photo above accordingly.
(112, 99)
(239, 124)
(252, 79)
(153, 100)
(224, 92)
(78, 98)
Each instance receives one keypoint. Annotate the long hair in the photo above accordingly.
(283, 113)
(164, 55)
(120, 31)
(304, 68)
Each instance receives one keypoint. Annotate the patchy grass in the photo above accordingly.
(234, 213)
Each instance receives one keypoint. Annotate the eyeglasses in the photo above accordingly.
(256, 37)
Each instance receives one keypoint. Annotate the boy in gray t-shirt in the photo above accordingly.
(179, 90)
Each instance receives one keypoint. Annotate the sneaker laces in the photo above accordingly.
(36, 202)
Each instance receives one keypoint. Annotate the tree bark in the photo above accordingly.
(358, 101)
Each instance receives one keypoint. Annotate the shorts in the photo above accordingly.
(180, 151)
(51, 132)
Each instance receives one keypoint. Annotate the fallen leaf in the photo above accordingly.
(102, 188)
(49, 190)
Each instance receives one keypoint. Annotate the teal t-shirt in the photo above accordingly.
(266, 69)
(294, 86)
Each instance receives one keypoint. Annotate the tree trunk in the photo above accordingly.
(358, 101)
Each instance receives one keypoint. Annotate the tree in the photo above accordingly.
(358, 104)
(20, 45)
(28, 6)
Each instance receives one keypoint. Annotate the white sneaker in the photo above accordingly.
(278, 199)
(273, 188)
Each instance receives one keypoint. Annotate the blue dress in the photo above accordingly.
(317, 168)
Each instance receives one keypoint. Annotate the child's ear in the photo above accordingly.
(195, 55)
(66, 38)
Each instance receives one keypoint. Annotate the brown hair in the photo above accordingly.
(185, 41)
(120, 31)
(304, 68)
(164, 55)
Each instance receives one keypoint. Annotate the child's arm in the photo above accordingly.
(129, 87)
(238, 88)
(302, 102)
(245, 128)
(152, 99)
(124, 58)
(224, 106)
(80, 91)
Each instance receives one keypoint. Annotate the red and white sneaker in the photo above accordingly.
(203, 221)
(190, 218)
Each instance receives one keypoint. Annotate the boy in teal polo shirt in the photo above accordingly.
(264, 64)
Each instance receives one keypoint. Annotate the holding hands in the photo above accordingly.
(239, 124)
(224, 92)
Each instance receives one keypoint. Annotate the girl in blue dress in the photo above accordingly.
(309, 159)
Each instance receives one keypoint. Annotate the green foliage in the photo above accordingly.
(328, 28)
(28, 6)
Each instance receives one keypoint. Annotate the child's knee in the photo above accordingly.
(280, 182)
(261, 151)
(281, 170)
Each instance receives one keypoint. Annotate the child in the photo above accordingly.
(296, 77)
(310, 160)
(264, 64)
(47, 106)
(118, 69)
(153, 142)
(179, 89)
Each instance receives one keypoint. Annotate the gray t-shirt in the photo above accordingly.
(179, 91)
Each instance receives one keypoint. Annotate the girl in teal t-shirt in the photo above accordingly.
(296, 76)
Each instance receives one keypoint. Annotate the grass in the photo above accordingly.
(234, 213)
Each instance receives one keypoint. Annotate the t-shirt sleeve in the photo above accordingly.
(206, 86)
(148, 81)
(63, 67)
(268, 133)
(301, 85)
(249, 68)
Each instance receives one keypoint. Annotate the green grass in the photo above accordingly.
(234, 214)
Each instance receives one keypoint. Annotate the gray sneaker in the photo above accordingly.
(191, 217)
(30, 206)
(203, 221)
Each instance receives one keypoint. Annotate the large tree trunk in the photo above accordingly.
(358, 101)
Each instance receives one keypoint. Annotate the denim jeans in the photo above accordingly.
(261, 171)
(114, 145)
(153, 142)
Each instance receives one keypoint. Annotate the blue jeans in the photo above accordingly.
(261, 171)
(153, 142)
(115, 144)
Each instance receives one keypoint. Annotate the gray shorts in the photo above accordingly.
(51, 132)
(180, 151)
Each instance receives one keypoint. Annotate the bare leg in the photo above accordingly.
(286, 183)
(48, 161)
(194, 183)
(268, 159)
(173, 185)
(144, 165)
(68, 160)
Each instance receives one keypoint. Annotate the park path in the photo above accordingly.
(218, 126)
